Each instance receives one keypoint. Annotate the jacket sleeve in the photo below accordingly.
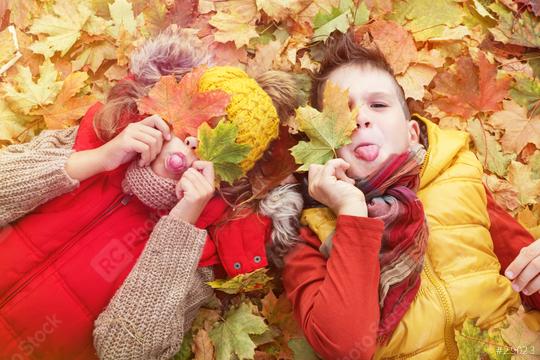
(33, 173)
(509, 237)
(147, 317)
(336, 301)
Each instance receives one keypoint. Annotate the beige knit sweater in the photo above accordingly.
(156, 304)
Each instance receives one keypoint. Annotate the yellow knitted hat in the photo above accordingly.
(250, 109)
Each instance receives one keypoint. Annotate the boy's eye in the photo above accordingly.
(378, 105)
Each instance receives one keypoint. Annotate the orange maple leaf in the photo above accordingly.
(471, 88)
(182, 104)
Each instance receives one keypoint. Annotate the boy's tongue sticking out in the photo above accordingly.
(367, 152)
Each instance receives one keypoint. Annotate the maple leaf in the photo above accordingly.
(327, 130)
(63, 29)
(505, 193)
(243, 283)
(10, 49)
(266, 54)
(396, 44)
(10, 124)
(489, 151)
(302, 350)
(415, 80)
(519, 129)
(470, 88)
(476, 343)
(232, 335)
(427, 19)
(530, 219)
(534, 4)
(122, 16)
(236, 22)
(218, 146)
(519, 175)
(279, 312)
(67, 108)
(182, 105)
(93, 55)
(526, 92)
(325, 23)
(523, 29)
(26, 94)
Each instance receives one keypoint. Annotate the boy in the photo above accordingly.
(410, 256)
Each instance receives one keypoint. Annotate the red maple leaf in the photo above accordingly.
(471, 88)
(182, 104)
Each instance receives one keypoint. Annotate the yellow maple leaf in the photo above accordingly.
(528, 189)
(25, 94)
(67, 108)
(10, 48)
(63, 28)
(281, 9)
(235, 22)
(93, 55)
(519, 129)
(10, 124)
(415, 79)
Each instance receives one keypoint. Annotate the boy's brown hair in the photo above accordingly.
(340, 50)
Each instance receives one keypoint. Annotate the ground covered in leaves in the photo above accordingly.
(472, 65)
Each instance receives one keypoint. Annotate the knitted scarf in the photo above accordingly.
(153, 190)
(391, 197)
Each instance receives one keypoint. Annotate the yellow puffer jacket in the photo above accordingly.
(460, 279)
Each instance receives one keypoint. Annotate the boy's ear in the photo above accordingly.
(414, 131)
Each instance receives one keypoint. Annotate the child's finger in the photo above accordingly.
(331, 167)
(531, 271)
(141, 148)
(526, 255)
(207, 170)
(199, 181)
(342, 175)
(157, 122)
(152, 143)
(533, 286)
(156, 134)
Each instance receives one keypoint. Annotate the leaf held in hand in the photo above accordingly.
(327, 130)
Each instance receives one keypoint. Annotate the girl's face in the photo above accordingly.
(175, 158)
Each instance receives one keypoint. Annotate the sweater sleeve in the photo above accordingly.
(33, 173)
(147, 317)
(509, 237)
(336, 300)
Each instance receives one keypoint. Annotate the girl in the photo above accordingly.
(109, 207)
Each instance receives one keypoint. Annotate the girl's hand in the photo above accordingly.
(524, 271)
(329, 185)
(195, 189)
(144, 137)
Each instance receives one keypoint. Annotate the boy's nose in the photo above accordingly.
(362, 122)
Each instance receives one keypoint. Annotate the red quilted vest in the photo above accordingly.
(62, 263)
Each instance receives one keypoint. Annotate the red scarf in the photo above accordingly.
(391, 197)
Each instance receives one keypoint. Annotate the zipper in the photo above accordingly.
(449, 337)
(121, 199)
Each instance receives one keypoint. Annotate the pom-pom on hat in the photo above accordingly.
(250, 109)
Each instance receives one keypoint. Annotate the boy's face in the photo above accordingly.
(382, 128)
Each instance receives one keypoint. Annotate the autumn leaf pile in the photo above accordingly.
(472, 65)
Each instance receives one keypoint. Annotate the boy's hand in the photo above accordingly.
(524, 271)
(329, 185)
(195, 189)
(144, 137)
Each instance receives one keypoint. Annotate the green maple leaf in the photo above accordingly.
(253, 281)
(328, 130)
(489, 150)
(526, 92)
(232, 335)
(474, 343)
(218, 146)
(521, 30)
(339, 18)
